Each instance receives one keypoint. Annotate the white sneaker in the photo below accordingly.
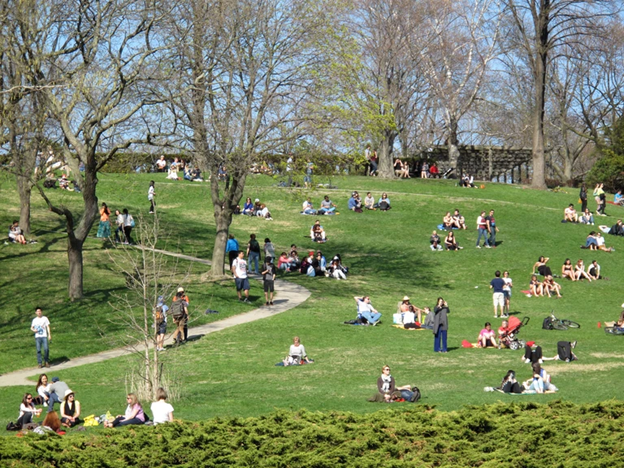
(432, 247)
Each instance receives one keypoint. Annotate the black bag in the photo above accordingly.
(547, 324)
(12, 426)
(254, 246)
(177, 310)
(49, 183)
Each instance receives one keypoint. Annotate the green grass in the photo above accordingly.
(232, 373)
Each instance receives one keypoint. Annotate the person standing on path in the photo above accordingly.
(440, 326)
(491, 225)
(232, 248)
(497, 284)
(268, 274)
(253, 253)
(179, 312)
(187, 300)
(483, 231)
(239, 269)
(151, 193)
(41, 327)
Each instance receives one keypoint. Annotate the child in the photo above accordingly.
(268, 274)
(162, 411)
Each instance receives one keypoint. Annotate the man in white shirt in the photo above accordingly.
(41, 327)
(239, 269)
(161, 164)
(307, 207)
(366, 310)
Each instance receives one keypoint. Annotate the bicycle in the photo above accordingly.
(561, 324)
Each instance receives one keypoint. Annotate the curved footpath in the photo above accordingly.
(288, 296)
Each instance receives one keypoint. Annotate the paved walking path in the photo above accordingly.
(288, 296)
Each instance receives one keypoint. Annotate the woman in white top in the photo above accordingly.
(27, 411)
(161, 410)
(507, 290)
(43, 389)
(151, 193)
(297, 351)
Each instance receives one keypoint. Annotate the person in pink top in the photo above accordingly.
(487, 337)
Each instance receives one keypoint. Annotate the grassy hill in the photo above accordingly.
(232, 373)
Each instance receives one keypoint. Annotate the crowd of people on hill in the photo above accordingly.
(486, 230)
(179, 169)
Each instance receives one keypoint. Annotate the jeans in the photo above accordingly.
(42, 341)
(253, 257)
(119, 422)
(53, 399)
(484, 233)
(492, 240)
(327, 210)
(117, 231)
(371, 317)
(440, 337)
(309, 211)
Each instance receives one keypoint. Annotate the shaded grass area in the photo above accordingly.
(502, 435)
(232, 373)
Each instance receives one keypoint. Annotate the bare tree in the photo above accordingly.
(540, 29)
(455, 48)
(246, 69)
(92, 73)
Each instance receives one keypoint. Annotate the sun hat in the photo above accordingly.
(405, 298)
(67, 393)
(180, 289)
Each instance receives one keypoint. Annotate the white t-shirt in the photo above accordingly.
(161, 163)
(409, 317)
(297, 351)
(507, 283)
(128, 219)
(240, 268)
(41, 324)
(364, 307)
(306, 205)
(600, 241)
(150, 193)
(161, 410)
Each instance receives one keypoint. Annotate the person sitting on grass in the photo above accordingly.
(591, 242)
(308, 209)
(134, 414)
(600, 242)
(502, 332)
(317, 233)
(264, 212)
(451, 243)
(459, 220)
(587, 217)
(384, 202)
(549, 286)
(540, 382)
(387, 386)
(535, 287)
(593, 270)
(327, 207)
(567, 270)
(334, 270)
(366, 310)
(354, 203)
(15, 233)
(434, 240)
(27, 411)
(509, 383)
(70, 410)
(447, 222)
(369, 202)
(570, 214)
(248, 207)
(161, 410)
(579, 271)
(541, 267)
(486, 337)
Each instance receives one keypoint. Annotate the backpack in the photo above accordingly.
(177, 309)
(254, 246)
(159, 316)
(547, 324)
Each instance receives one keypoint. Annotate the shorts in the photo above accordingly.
(162, 328)
(269, 286)
(507, 294)
(488, 343)
(499, 299)
(242, 284)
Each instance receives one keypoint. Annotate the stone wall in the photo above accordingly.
(497, 163)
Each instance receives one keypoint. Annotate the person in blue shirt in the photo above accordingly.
(248, 207)
(618, 199)
(497, 284)
(354, 203)
(232, 248)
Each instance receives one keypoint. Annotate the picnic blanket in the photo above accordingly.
(403, 328)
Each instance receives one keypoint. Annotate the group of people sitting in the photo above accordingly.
(577, 272)
(355, 202)
(467, 181)
(57, 391)
(548, 286)
(177, 166)
(411, 316)
(315, 264)
(450, 242)
(327, 207)
(595, 241)
(254, 209)
(571, 216)
(455, 221)
(16, 234)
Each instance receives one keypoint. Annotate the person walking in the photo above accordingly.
(151, 193)
(40, 325)
(232, 248)
(440, 326)
(128, 224)
(104, 229)
(179, 312)
(497, 284)
(483, 231)
(239, 269)
(253, 254)
(491, 225)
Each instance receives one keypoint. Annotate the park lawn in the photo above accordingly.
(232, 373)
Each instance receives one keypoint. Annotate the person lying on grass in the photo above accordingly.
(366, 310)
(486, 337)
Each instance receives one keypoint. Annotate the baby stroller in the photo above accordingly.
(509, 337)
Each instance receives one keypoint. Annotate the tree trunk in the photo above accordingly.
(24, 188)
(538, 179)
(453, 142)
(385, 168)
(223, 219)
(74, 255)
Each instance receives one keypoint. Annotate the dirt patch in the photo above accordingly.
(584, 368)
(607, 355)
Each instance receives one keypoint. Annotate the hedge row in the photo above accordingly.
(512, 434)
